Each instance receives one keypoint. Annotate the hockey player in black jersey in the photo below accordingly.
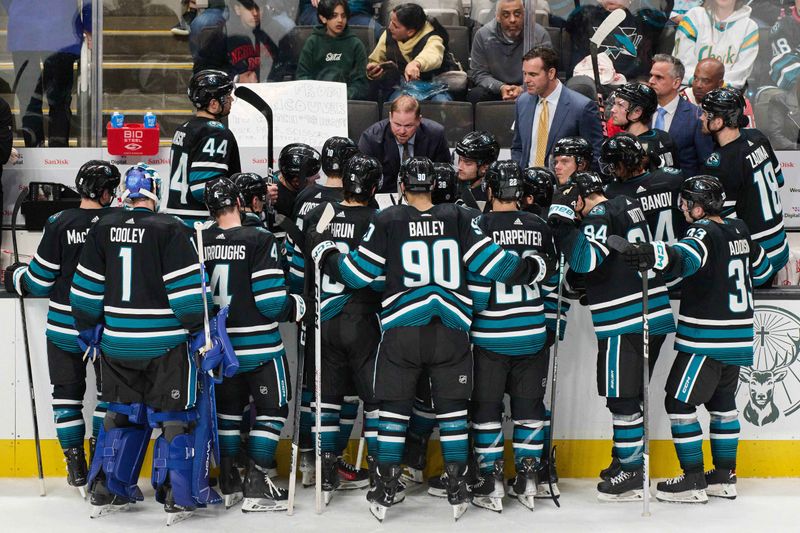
(446, 190)
(720, 264)
(424, 251)
(141, 323)
(253, 189)
(537, 190)
(243, 265)
(510, 351)
(657, 190)
(50, 274)
(202, 148)
(570, 155)
(632, 110)
(296, 163)
(614, 295)
(750, 172)
(475, 152)
(350, 331)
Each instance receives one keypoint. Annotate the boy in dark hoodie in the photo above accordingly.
(333, 53)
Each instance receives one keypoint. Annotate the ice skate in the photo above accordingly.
(415, 458)
(330, 476)
(611, 470)
(459, 493)
(103, 502)
(523, 486)
(436, 487)
(721, 483)
(488, 492)
(230, 482)
(624, 487)
(382, 496)
(77, 471)
(176, 513)
(351, 476)
(261, 494)
(308, 468)
(689, 487)
(545, 479)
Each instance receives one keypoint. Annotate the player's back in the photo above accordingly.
(660, 143)
(242, 264)
(311, 197)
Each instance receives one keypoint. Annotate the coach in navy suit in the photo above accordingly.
(569, 113)
(678, 117)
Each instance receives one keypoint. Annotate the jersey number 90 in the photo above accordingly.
(427, 263)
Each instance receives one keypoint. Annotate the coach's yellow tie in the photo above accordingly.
(541, 135)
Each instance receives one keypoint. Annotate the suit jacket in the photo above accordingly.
(379, 141)
(575, 115)
(686, 131)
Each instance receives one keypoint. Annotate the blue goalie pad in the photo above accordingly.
(221, 354)
(120, 451)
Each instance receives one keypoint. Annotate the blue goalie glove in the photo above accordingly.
(89, 342)
(220, 355)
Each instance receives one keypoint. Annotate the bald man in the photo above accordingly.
(709, 74)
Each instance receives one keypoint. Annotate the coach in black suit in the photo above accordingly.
(404, 134)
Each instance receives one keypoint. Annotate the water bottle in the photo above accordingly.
(149, 120)
(117, 119)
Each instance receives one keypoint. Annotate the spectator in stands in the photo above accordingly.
(785, 38)
(676, 116)
(709, 74)
(45, 39)
(404, 134)
(413, 48)
(333, 52)
(497, 51)
(783, 119)
(189, 8)
(630, 46)
(361, 14)
(722, 29)
(233, 43)
(548, 111)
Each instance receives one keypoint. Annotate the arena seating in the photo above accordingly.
(447, 12)
(360, 116)
(497, 118)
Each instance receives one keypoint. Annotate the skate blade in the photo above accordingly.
(378, 511)
(82, 491)
(543, 492)
(232, 499)
(437, 493)
(259, 505)
(630, 496)
(177, 518)
(459, 510)
(413, 475)
(722, 490)
(689, 496)
(99, 511)
(353, 485)
(327, 496)
(492, 504)
(528, 501)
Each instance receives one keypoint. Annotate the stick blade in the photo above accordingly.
(612, 21)
(325, 218)
(617, 243)
(246, 94)
(23, 195)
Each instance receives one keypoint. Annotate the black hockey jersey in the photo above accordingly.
(720, 263)
(785, 39)
(659, 143)
(349, 224)
(51, 270)
(244, 269)
(139, 274)
(202, 150)
(752, 177)
(510, 319)
(613, 290)
(424, 256)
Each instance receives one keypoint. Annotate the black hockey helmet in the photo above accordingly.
(208, 85)
(588, 183)
(250, 185)
(335, 152)
(504, 178)
(707, 191)
(446, 190)
(725, 103)
(96, 176)
(479, 146)
(538, 182)
(638, 94)
(577, 147)
(298, 159)
(622, 148)
(221, 193)
(361, 174)
(417, 174)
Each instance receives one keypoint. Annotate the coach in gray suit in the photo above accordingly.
(551, 111)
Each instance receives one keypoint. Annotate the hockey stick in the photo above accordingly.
(198, 228)
(604, 30)
(618, 244)
(251, 97)
(23, 195)
(552, 452)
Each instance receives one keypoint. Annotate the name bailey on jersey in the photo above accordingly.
(426, 228)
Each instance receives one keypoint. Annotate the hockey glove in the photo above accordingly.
(324, 251)
(13, 278)
(89, 342)
(299, 308)
(565, 200)
(543, 266)
(647, 255)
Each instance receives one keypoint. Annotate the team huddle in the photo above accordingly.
(426, 313)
